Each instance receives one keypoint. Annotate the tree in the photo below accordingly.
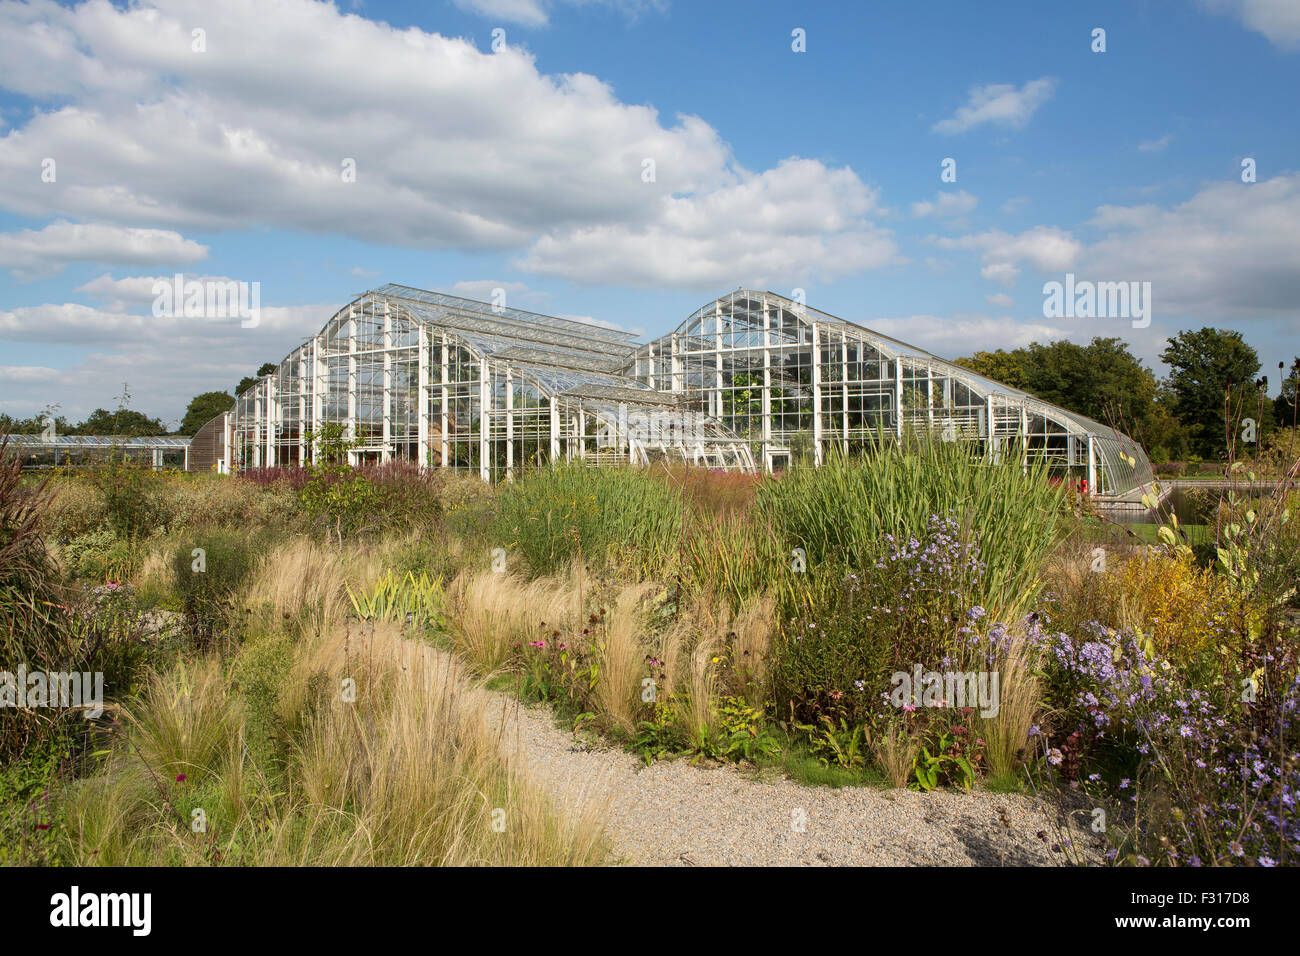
(1102, 379)
(1212, 379)
(1009, 368)
(203, 408)
(248, 381)
(123, 422)
(34, 425)
(1164, 436)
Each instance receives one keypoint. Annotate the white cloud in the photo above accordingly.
(528, 13)
(454, 147)
(1000, 299)
(120, 295)
(33, 254)
(1279, 20)
(1230, 249)
(1044, 248)
(785, 225)
(536, 13)
(1155, 145)
(963, 334)
(165, 360)
(26, 374)
(1000, 104)
(483, 289)
(946, 205)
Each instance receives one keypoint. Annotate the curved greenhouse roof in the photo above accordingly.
(457, 383)
(843, 381)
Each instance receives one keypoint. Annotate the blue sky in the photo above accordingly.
(522, 168)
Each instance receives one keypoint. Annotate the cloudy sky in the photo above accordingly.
(510, 144)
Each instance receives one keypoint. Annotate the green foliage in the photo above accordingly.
(1211, 378)
(122, 423)
(414, 600)
(248, 381)
(258, 674)
(948, 752)
(842, 511)
(1101, 379)
(336, 492)
(1286, 408)
(623, 515)
(99, 556)
(203, 408)
(743, 732)
(660, 736)
(131, 493)
(30, 817)
(937, 766)
(209, 570)
(835, 742)
(732, 556)
(33, 628)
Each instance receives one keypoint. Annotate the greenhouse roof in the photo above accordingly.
(99, 441)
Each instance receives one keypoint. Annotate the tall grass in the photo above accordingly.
(300, 577)
(623, 515)
(410, 773)
(489, 612)
(843, 510)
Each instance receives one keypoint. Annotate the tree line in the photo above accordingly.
(128, 423)
(1213, 387)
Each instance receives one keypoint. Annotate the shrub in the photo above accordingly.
(844, 633)
(1182, 609)
(131, 494)
(99, 556)
(209, 570)
(405, 496)
(214, 501)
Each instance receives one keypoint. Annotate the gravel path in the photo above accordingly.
(675, 814)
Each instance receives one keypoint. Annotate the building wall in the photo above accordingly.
(208, 446)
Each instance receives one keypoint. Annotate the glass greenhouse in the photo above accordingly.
(746, 382)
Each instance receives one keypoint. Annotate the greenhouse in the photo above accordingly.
(750, 381)
(77, 451)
